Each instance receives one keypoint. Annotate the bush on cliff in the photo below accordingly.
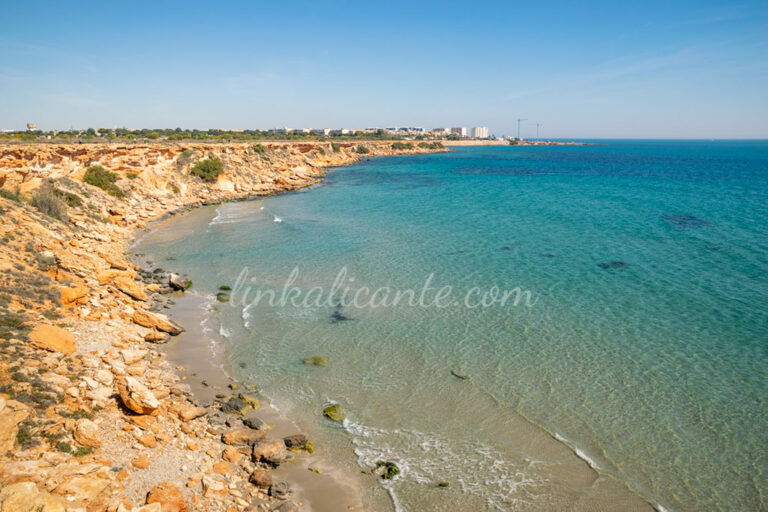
(47, 201)
(260, 149)
(431, 145)
(335, 147)
(11, 196)
(401, 146)
(363, 150)
(98, 176)
(208, 170)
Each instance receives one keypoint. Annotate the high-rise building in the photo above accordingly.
(459, 131)
(480, 132)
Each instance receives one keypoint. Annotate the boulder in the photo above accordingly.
(156, 321)
(12, 414)
(72, 294)
(280, 490)
(152, 507)
(287, 506)
(176, 282)
(131, 356)
(136, 396)
(254, 422)
(298, 442)
(155, 336)
(235, 406)
(87, 433)
(242, 436)
(271, 452)
(53, 339)
(169, 496)
(261, 478)
(249, 400)
(190, 412)
(141, 462)
(335, 412)
(25, 497)
(230, 454)
(130, 287)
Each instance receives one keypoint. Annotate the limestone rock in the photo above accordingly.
(230, 454)
(52, 338)
(254, 422)
(176, 282)
(271, 452)
(261, 478)
(141, 462)
(155, 336)
(169, 496)
(87, 433)
(156, 321)
(12, 414)
(280, 490)
(152, 507)
(130, 287)
(136, 396)
(242, 436)
(73, 294)
(191, 412)
(25, 497)
(131, 356)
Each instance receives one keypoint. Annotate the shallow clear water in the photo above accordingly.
(654, 369)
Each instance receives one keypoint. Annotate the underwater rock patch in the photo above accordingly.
(613, 264)
(685, 221)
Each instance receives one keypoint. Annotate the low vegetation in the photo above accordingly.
(363, 150)
(402, 146)
(11, 196)
(48, 201)
(208, 170)
(98, 176)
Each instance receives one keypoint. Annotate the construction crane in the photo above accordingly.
(518, 127)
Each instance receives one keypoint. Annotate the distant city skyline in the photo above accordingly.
(590, 70)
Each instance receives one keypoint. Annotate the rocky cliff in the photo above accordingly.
(92, 418)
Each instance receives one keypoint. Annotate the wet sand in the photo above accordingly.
(334, 489)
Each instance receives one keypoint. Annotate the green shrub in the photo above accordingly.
(83, 451)
(208, 170)
(173, 188)
(48, 202)
(64, 447)
(431, 145)
(321, 150)
(401, 146)
(335, 147)
(260, 149)
(363, 150)
(11, 196)
(98, 176)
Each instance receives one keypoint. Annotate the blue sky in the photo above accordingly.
(581, 69)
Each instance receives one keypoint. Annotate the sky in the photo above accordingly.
(580, 69)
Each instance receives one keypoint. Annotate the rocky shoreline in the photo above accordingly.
(92, 415)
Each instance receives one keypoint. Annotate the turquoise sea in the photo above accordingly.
(641, 368)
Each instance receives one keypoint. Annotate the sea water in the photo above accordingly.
(635, 365)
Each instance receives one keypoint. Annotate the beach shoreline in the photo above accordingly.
(87, 387)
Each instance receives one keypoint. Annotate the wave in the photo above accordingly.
(478, 469)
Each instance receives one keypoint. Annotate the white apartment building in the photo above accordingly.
(480, 132)
(459, 131)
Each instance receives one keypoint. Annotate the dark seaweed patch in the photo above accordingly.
(613, 264)
(685, 221)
